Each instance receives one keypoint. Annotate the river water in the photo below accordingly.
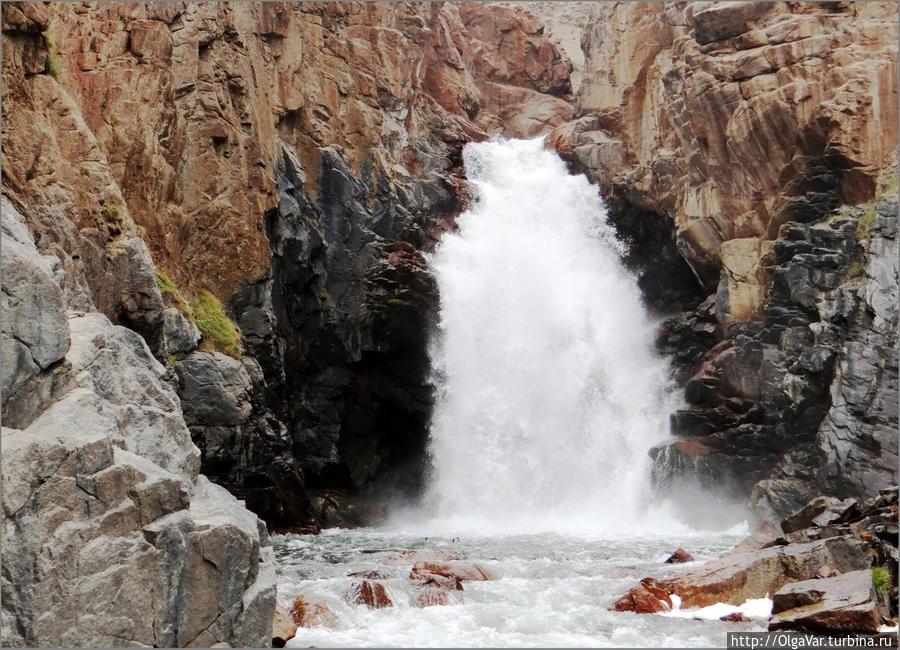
(549, 590)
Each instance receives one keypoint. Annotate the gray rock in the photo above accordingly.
(103, 507)
(34, 333)
(841, 604)
(181, 336)
(215, 389)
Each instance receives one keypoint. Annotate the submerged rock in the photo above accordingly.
(679, 556)
(456, 569)
(371, 594)
(842, 604)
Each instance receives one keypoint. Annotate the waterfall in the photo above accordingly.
(549, 392)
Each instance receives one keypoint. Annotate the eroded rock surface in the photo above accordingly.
(733, 118)
(102, 501)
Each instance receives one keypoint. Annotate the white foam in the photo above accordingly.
(754, 608)
(549, 391)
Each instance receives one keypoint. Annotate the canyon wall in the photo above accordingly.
(214, 224)
(728, 136)
(291, 159)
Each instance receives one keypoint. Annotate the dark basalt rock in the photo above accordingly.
(802, 401)
(340, 333)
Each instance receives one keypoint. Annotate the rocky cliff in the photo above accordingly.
(212, 267)
(727, 136)
(292, 160)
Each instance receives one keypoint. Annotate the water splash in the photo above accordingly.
(549, 391)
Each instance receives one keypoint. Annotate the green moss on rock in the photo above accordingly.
(220, 334)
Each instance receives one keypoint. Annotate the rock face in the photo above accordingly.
(102, 501)
(726, 136)
(733, 118)
(293, 159)
(797, 401)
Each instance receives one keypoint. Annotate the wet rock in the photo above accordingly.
(283, 627)
(645, 598)
(836, 605)
(433, 596)
(742, 575)
(306, 614)
(735, 617)
(679, 556)
(455, 569)
(371, 594)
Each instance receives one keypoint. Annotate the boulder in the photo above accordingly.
(432, 596)
(214, 388)
(306, 614)
(283, 627)
(457, 569)
(645, 598)
(744, 574)
(371, 594)
(679, 556)
(181, 336)
(841, 604)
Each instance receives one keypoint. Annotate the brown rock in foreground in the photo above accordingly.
(305, 614)
(283, 627)
(679, 557)
(645, 598)
(458, 569)
(433, 596)
(844, 603)
(739, 576)
(371, 594)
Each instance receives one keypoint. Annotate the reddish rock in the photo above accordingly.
(645, 598)
(451, 569)
(283, 627)
(680, 556)
(432, 596)
(371, 594)
(304, 614)
(741, 575)
(735, 617)
(444, 582)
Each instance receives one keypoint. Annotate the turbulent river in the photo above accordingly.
(548, 397)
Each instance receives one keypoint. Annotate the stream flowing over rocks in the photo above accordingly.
(231, 262)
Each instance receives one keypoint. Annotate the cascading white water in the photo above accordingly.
(549, 391)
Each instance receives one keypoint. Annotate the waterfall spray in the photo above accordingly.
(549, 392)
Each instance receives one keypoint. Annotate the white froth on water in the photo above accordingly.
(548, 590)
(549, 392)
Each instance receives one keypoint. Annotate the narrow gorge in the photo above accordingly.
(348, 324)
